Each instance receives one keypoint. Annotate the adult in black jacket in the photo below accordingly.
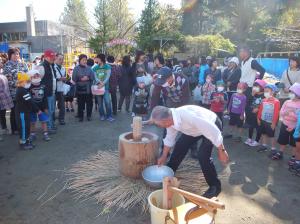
(49, 81)
(126, 82)
(232, 74)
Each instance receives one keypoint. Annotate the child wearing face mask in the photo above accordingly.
(294, 162)
(251, 119)
(207, 89)
(37, 91)
(236, 108)
(219, 99)
(24, 106)
(288, 114)
(267, 117)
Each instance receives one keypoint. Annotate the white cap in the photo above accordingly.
(234, 60)
(33, 72)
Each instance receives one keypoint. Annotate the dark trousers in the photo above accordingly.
(127, 102)
(13, 123)
(114, 101)
(23, 121)
(60, 98)
(3, 119)
(85, 101)
(220, 116)
(258, 133)
(204, 156)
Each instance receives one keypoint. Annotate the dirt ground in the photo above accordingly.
(255, 189)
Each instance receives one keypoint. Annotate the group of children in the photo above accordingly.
(259, 112)
(31, 105)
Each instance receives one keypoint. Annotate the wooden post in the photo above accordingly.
(167, 194)
(137, 129)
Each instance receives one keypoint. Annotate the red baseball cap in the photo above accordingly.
(49, 53)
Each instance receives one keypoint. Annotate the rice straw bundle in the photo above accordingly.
(98, 177)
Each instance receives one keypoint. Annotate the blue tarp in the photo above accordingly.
(274, 66)
(4, 47)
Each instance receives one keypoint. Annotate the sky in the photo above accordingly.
(14, 10)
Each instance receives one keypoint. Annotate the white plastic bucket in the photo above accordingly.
(158, 215)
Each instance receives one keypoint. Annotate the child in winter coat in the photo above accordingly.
(288, 114)
(24, 106)
(251, 119)
(207, 89)
(267, 117)
(219, 99)
(37, 91)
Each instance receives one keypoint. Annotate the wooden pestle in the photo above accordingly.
(137, 128)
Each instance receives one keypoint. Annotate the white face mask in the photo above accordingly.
(220, 88)
(35, 81)
(27, 85)
(240, 91)
(267, 94)
(256, 89)
(292, 96)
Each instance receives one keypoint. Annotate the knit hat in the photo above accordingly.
(260, 82)
(23, 77)
(234, 60)
(295, 88)
(220, 83)
(49, 53)
(272, 87)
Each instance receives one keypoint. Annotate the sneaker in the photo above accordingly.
(110, 119)
(291, 161)
(132, 114)
(46, 137)
(27, 146)
(278, 155)
(212, 191)
(296, 166)
(226, 117)
(119, 110)
(254, 144)
(62, 122)
(248, 141)
(102, 118)
(32, 137)
(262, 148)
(272, 153)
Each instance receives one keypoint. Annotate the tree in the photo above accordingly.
(113, 21)
(75, 15)
(147, 29)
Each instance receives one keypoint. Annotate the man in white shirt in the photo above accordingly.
(60, 79)
(194, 122)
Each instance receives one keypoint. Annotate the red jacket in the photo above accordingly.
(269, 110)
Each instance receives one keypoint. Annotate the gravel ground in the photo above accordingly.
(255, 189)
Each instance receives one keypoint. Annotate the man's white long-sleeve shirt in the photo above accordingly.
(193, 121)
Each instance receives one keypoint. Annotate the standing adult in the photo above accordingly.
(213, 71)
(49, 81)
(6, 102)
(289, 77)
(159, 62)
(61, 78)
(194, 122)
(113, 82)
(250, 67)
(203, 67)
(10, 70)
(173, 87)
(126, 82)
(83, 76)
(103, 72)
(140, 65)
